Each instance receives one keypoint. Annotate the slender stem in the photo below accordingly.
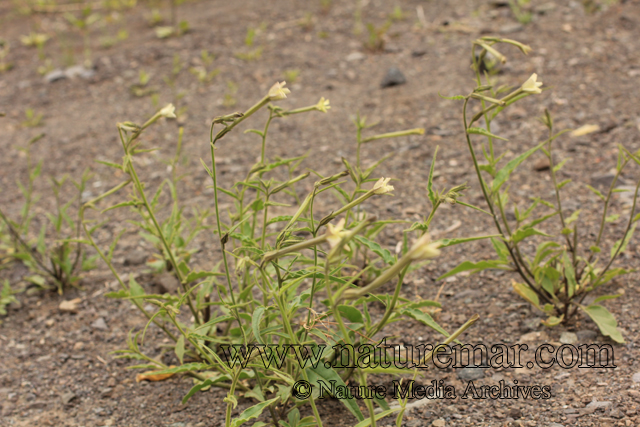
(167, 247)
(491, 208)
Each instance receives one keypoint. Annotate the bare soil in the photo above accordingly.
(57, 368)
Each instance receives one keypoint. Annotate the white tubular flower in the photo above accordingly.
(532, 85)
(323, 105)
(278, 91)
(381, 186)
(424, 248)
(335, 233)
(168, 112)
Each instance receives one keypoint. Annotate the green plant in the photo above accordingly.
(180, 230)
(82, 23)
(201, 72)
(142, 88)
(311, 283)
(229, 99)
(57, 261)
(32, 119)
(377, 36)
(291, 75)
(7, 296)
(4, 52)
(36, 40)
(520, 9)
(171, 81)
(560, 273)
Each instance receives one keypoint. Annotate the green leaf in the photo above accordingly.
(596, 192)
(351, 313)
(377, 249)
(504, 173)
(552, 321)
(381, 415)
(563, 183)
(252, 412)
(425, 318)
(256, 318)
(460, 202)
(187, 367)
(574, 216)
(450, 242)
(559, 166)
(501, 248)
(432, 195)
(452, 98)
(328, 375)
(569, 274)
(611, 274)
(527, 293)
(484, 132)
(522, 233)
(622, 244)
(180, 348)
(424, 303)
(196, 275)
(606, 297)
(605, 321)
(475, 267)
(612, 218)
(135, 288)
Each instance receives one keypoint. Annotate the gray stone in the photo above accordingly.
(100, 324)
(587, 336)
(68, 397)
(79, 71)
(135, 257)
(568, 338)
(55, 75)
(542, 164)
(470, 373)
(555, 425)
(511, 28)
(598, 405)
(604, 181)
(166, 283)
(356, 56)
(394, 77)
(545, 8)
(636, 377)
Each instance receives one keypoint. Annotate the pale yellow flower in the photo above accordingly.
(424, 248)
(381, 186)
(323, 105)
(532, 85)
(278, 91)
(168, 112)
(335, 233)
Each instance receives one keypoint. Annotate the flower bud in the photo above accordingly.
(168, 112)
(381, 186)
(278, 91)
(532, 85)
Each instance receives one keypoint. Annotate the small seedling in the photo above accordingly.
(141, 88)
(291, 75)
(377, 36)
(32, 119)
(4, 53)
(36, 40)
(520, 9)
(229, 97)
